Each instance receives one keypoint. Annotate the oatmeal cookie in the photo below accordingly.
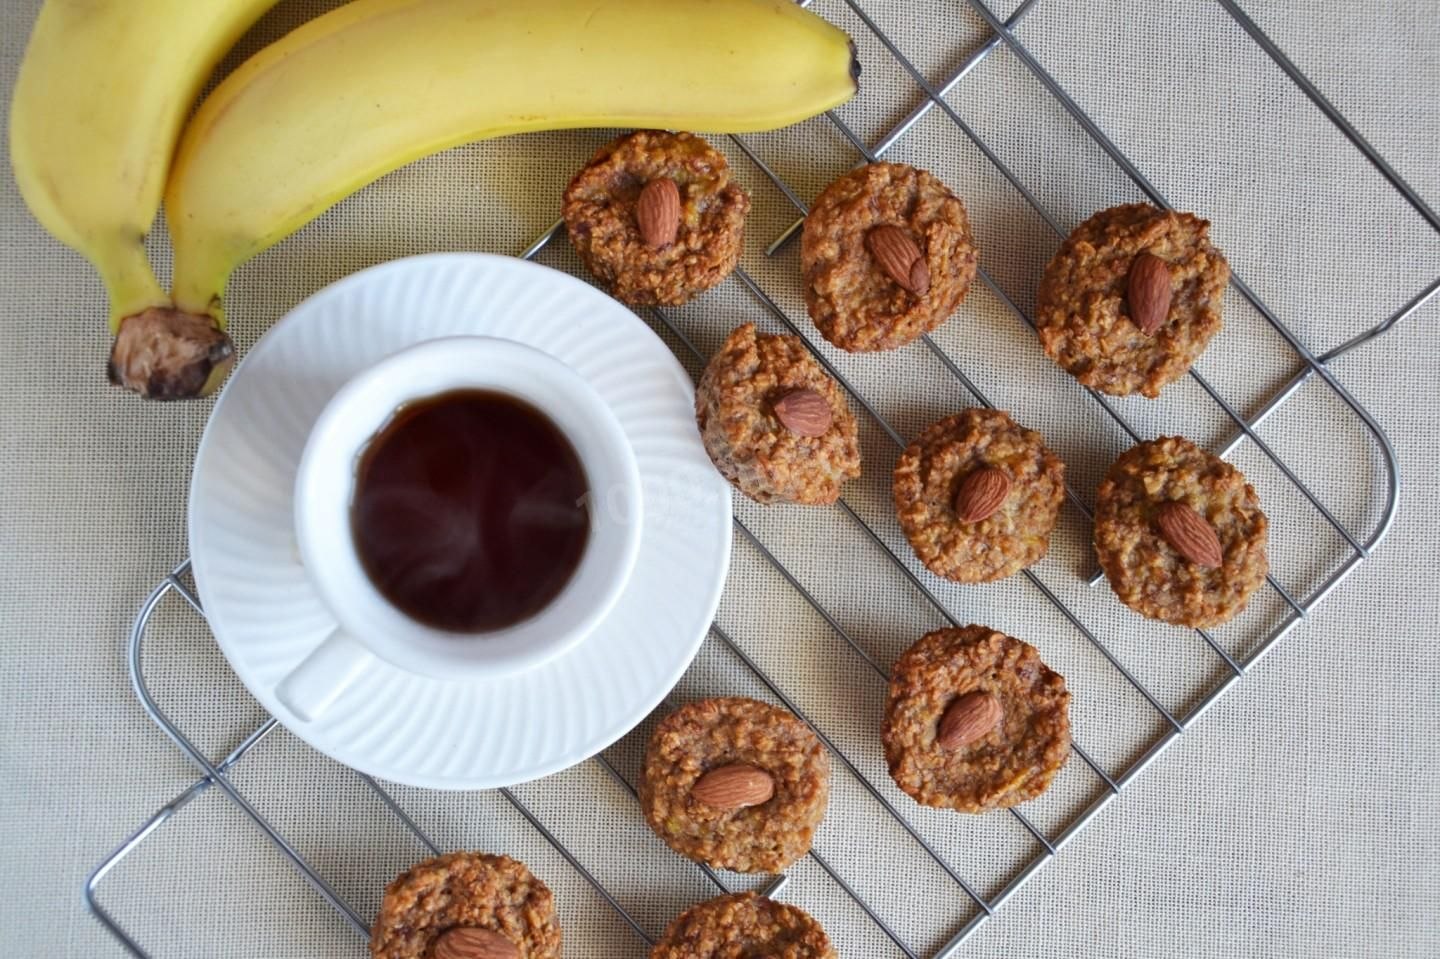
(467, 897)
(1083, 312)
(743, 926)
(775, 425)
(855, 301)
(975, 721)
(975, 535)
(689, 788)
(600, 210)
(1147, 572)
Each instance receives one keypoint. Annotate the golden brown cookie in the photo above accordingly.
(735, 783)
(887, 255)
(975, 721)
(438, 906)
(775, 425)
(744, 926)
(978, 496)
(603, 215)
(1151, 517)
(1085, 315)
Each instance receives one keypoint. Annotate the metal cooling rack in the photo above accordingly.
(1108, 785)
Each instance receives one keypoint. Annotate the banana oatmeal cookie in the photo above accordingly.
(887, 255)
(735, 783)
(975, 721)
(1086, 312)
(466, 900)
(744, 926)
(656, 218)
(775, 425)
(1180, 533)
(978, 496)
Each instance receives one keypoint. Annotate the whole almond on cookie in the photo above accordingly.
(968, 720)
(734, 786)
(899, 256)
(468, 942)
(1191, 534)
(1148, 291)
(981, 494)
(804, 412)
(658, 212)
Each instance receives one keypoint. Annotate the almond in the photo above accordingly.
(1191, 534)
(804, 412)
(1148, 290)
(968, 720)
(981, 494)
(734, 786)
(468, 942)
(658, 212)
(899, 257)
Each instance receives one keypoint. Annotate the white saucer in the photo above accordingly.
(397, 725)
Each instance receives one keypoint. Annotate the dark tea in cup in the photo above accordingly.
(470, 511)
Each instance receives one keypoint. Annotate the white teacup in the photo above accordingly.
(368, 625)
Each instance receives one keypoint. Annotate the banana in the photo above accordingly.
(375, 84)
(102, 94)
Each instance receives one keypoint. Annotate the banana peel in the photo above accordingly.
(339, 102)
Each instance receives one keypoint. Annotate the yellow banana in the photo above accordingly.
(375, 84)
(99, 103)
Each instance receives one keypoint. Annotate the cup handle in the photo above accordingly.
(314, 685)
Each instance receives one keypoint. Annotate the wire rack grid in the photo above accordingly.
(1107, 784)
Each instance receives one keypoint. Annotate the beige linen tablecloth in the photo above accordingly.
(1296, 818)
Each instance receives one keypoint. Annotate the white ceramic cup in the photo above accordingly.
(368, 625)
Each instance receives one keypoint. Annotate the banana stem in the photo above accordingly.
(128, 278)
(201, 275)
(159, 352)
(167, 354)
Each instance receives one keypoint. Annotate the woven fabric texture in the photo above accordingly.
(1294, 818)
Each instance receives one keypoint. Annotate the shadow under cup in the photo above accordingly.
(358, 449)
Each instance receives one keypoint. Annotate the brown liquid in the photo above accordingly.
(470, 511)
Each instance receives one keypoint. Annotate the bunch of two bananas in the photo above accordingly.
(98, 133)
